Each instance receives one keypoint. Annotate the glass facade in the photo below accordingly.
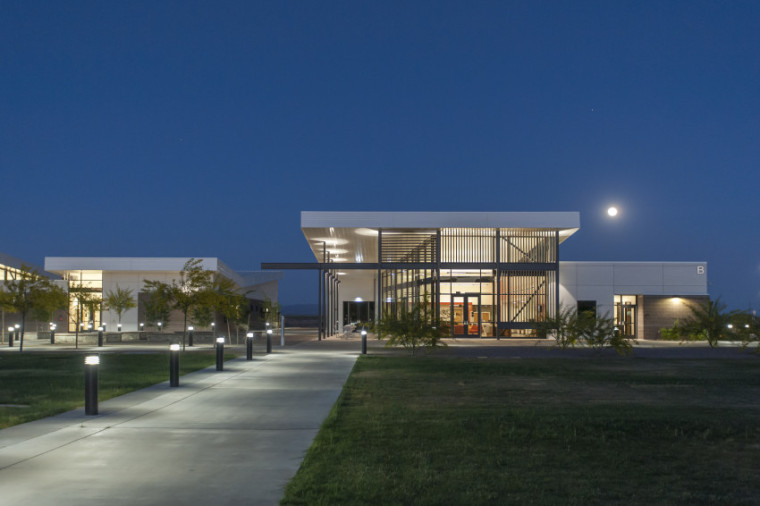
(87, 314)
(477, 282)
(625, 314)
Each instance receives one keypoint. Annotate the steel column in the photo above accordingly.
(497, 281)
(378, 309)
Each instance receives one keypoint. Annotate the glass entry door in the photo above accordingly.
(465, 315)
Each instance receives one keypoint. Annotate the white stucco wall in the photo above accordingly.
(131, 273)
(599, 281)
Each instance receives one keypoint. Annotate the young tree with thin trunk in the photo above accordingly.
(29, 291)
(119, 301)
(157, 303)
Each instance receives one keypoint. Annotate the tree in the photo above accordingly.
(29, 291)
(50, 301)
(83, 298)
(271, 311)
(411, 328)
(225, 298)
(235, 309)
(186, 294)
(157, 302)
(709, 321)
(120, 301)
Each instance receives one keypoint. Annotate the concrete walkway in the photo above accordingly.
(230, 437)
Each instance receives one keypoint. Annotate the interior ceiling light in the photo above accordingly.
(369, 232)
(330, 241)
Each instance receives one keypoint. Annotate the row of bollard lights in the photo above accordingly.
(92, 363)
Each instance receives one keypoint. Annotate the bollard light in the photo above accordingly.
(100, 336)
(91, 364)
(249, 346)
(174, 365)
(190, 335)
(364, 342)
(160, 326)
(142, 327)
(118, 327)
(10, 336)
(53, 326)
(220, 353)
(213, 327)
(17, 328)
(269, 340)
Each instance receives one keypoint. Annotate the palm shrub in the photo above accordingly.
(585, 329)
(411, 328)
(709, 321)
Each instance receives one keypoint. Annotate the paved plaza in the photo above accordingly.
(231, 437)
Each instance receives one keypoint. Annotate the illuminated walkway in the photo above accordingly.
(230, 437)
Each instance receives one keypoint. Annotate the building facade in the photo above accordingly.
(100, 276)
(481, 274)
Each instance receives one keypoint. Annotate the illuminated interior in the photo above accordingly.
(87, 314)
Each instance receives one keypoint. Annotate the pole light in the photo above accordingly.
(91, 364)
(190, 335)
(10, 336)
(282, 330)
(53, 326)
(100, 336)
(220, 353)
(364, 342)
(174, 365)
(249, 346)
(269, 340)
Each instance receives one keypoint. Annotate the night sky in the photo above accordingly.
(203, 128)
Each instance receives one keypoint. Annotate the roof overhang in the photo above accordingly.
(352, 236)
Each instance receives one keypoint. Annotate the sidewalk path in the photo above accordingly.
(230, 437)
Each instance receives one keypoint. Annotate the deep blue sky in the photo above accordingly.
(204, 128)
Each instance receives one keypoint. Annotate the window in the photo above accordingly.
(587, 306)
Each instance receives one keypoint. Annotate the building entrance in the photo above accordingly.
(465, 315)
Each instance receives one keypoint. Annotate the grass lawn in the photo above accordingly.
(435, 430)
(51, 383)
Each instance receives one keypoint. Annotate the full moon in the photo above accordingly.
(612, 211)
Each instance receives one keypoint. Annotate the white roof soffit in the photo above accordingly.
(352, 236)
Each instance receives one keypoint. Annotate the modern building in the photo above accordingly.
(103, 275)
(483, 274)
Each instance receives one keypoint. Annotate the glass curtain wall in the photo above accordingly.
(89, 312)
(455, 273)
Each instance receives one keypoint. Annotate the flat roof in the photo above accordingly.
(157, 264)
(371, 219)
(352, 236)
(61, 264)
